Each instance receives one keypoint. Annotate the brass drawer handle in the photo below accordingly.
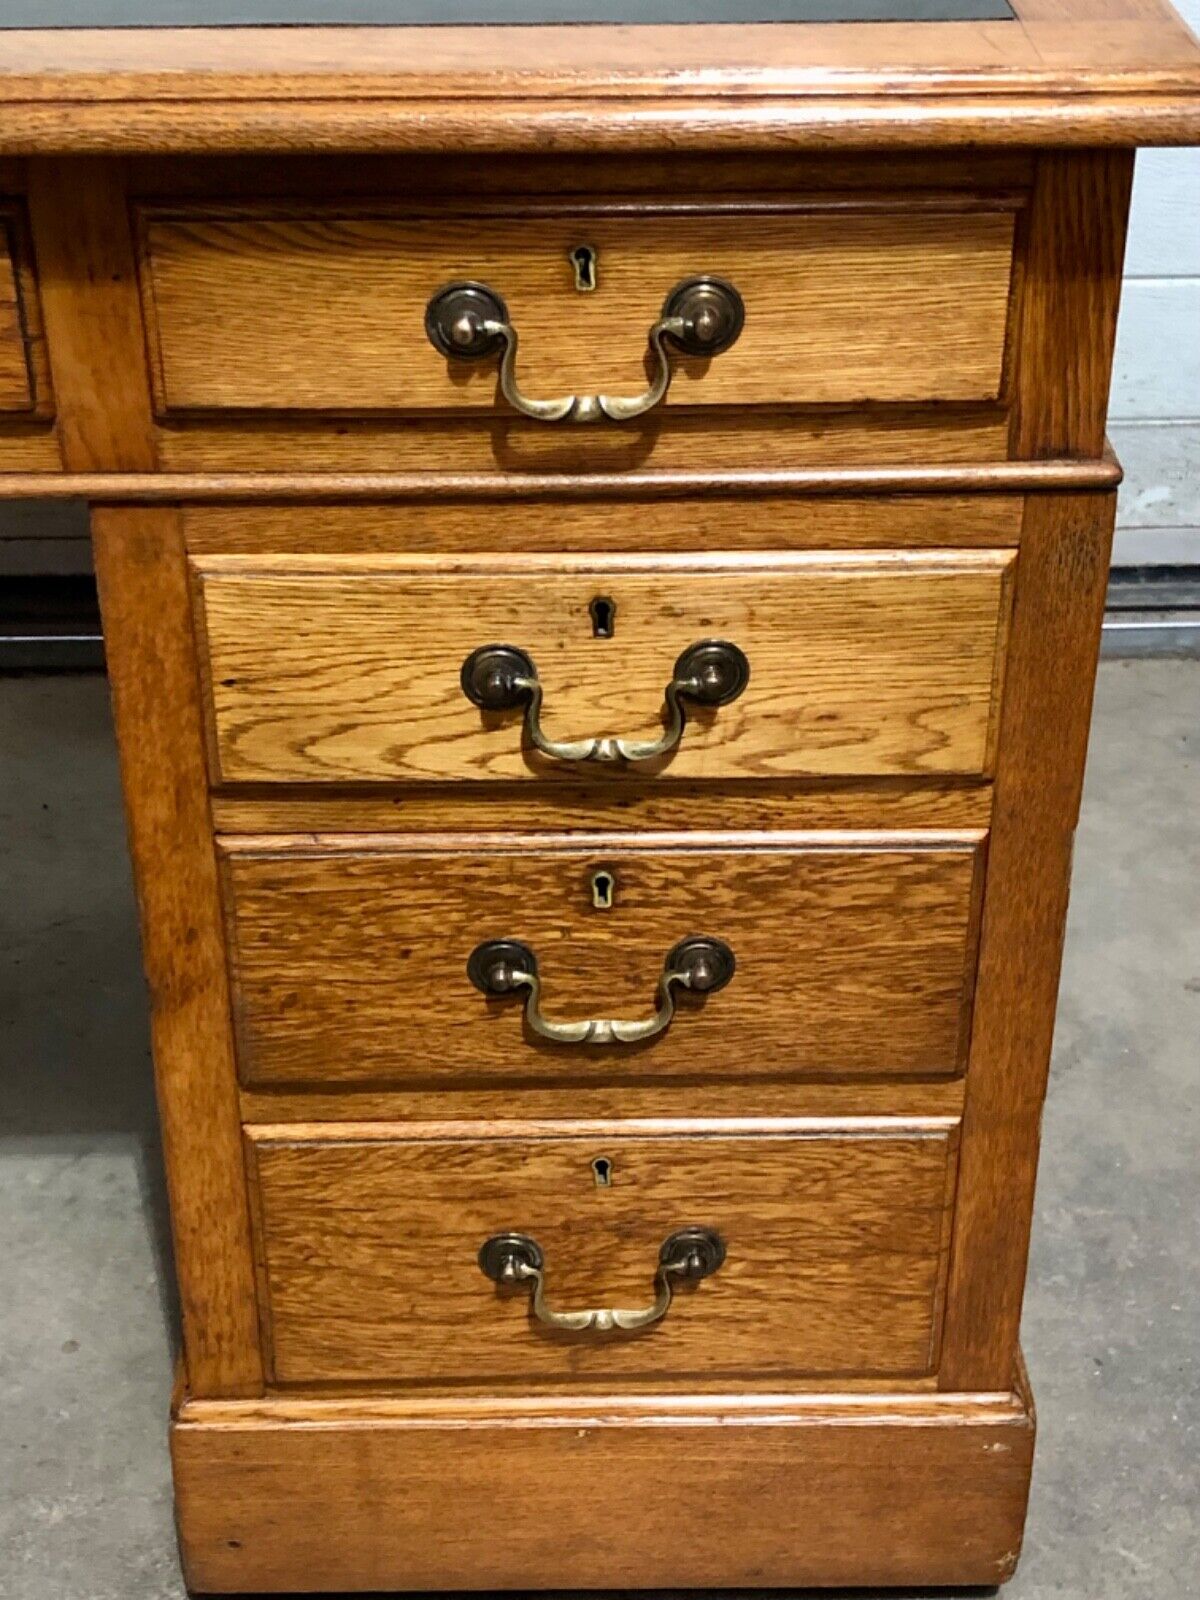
(502, 966)
(499, 677)
(686, 1257)
(469, 322)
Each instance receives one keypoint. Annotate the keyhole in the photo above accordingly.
(603, 613)
(583, 259)
(602, 1172)
(604, 888)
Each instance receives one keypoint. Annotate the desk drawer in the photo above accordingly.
(834, 1242)
(351, 958)
(351, 670)
(322, 309)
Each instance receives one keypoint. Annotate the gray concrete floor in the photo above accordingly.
(86, 1325)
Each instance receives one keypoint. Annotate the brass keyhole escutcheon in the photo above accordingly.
(604, 889)
(603, 612)
(583, 260)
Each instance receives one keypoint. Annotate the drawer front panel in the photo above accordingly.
(24, 375)
(834, 1238)
(323, 310)
(343, 671)
(350, 963)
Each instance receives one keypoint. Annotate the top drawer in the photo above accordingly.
(322, 309)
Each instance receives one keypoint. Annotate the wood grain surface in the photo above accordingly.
(834, 1241)
(340, 671)
(855, 956)
(1072, 288)
(1100, 72)
(143, 592)
(1056, 637)
(495, 812)
(1060, 47)
(28, 445)
(24, 370)
(323, 310)
(612, 518)
(906, 1491)
(1139, 113)
(88, 280)
(582, 1099)
(672, 440)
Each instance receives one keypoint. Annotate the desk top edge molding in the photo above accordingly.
(531, 126)
(1062, 74)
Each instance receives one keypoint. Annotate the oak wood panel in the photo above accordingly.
(485, 1402)
(24, 368)
(313, 309)
(487, 1396)
(883, 664)
(1110, 72)
(834, 1240)
(143, 592)
(1056, 634)
(501, 810)
(581, 1100)
(673, 440)
(711, 522)
(903, 1490)
(93, 318)
(855, 956)
(29, 455)
(168, 124)
(1072, 288)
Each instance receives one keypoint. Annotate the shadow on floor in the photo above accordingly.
(73, 1009)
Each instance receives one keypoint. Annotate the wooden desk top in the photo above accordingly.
(1059, 72)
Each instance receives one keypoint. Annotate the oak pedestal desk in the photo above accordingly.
(602, 810)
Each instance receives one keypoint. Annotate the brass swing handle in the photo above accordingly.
(686, 1257)
(469, 322)
(501, 677)
(504, 966)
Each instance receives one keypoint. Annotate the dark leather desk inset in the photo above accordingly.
(603, 535)
(429, 13)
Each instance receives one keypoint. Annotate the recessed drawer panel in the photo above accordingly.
(355, 670)
(323, 309)
(360, 962)
(808, 1251)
